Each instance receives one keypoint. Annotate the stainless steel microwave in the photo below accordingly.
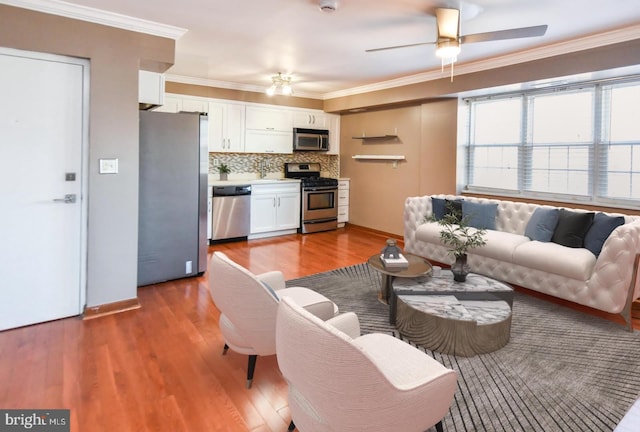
(310, 139)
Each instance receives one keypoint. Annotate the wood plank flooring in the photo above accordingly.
(160, 368)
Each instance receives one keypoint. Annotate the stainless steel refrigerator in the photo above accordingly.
(172, 231)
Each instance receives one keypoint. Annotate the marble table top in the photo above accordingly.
(440, 295)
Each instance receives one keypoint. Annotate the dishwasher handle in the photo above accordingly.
(236, 190)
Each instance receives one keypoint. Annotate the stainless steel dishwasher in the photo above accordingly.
(231, 212)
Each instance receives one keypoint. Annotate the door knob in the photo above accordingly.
(68, 199)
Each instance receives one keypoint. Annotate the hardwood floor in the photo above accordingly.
(160, 367)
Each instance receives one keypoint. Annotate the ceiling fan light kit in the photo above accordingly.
(280, 83)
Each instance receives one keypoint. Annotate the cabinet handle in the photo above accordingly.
(310, 119)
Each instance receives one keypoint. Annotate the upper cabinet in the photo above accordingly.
(269, 119)
(334, 133)
(269, 130)
(150, 88)
(310, 119)
(226, 127)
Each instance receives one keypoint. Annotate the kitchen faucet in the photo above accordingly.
(263, 168)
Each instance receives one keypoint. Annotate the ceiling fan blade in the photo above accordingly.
(516, 33)
(399, 46)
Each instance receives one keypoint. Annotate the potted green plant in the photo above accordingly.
(224, 171)
(459, 237)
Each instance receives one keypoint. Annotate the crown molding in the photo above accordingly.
(587, 42)
(98, 16)
(182, 79)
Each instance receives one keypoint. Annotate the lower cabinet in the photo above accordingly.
(275, 209)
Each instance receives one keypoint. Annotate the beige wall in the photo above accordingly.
(116, 56)
(241, 95)
(426, 138)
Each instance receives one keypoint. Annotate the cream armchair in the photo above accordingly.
(248, 307)
(341, 381)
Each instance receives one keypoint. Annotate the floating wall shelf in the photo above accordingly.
(379, 157)
(364, 136)
(376, 137)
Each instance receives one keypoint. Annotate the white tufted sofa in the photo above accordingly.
(608, 283)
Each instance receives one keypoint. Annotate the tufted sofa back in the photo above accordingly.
(511, 216)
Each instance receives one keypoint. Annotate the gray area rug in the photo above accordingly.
(561, 370)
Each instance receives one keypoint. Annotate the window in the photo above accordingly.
(580, 142)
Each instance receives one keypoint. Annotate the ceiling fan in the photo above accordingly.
(449, 40)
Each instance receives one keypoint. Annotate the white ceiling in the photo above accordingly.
(242, 43)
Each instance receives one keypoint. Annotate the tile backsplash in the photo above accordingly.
(249, 163)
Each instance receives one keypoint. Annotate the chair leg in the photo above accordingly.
(292, 427)
(225, 349)
(439, 426)
(250, 368)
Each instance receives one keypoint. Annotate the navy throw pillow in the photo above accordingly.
(437, 204)
(603, 225)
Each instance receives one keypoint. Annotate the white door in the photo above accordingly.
(42, 234)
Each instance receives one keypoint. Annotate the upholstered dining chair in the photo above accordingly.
(248, 306)
(342, 381)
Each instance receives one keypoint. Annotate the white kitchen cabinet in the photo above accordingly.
(195, 105)
(334, 134)
(150, 88)
(343, 202)
(261, 141)
(275, 209)
(171, 104)
(310, 119)
(226, 127)
(269, 119)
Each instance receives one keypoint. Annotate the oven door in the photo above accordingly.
(319, 203)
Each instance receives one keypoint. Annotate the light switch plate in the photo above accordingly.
(108, 166)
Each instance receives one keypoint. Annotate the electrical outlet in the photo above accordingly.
(188, 267)
(216, 162)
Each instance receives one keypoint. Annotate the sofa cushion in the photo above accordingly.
(572, 228)
(500, 245)
(480, 215)
(429, 232)
(574, 263)
(601, 228)
(542, 224)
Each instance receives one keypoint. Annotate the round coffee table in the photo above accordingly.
(418, 266)
(458, 318)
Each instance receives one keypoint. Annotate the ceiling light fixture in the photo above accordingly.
(280, 83)
(448, 42)
(328, 5)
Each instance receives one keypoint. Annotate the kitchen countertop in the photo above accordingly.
(251, 181)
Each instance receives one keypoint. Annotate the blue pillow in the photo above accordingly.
(442, 207)
(600, 230)
(438, 207)
(542, 224)
(480, 215)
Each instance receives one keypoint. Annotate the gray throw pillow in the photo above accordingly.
(542, 224)
(600, 230)
(480, 215)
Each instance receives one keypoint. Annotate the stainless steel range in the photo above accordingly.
(319, 209)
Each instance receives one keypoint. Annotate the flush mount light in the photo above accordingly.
(280, 84)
